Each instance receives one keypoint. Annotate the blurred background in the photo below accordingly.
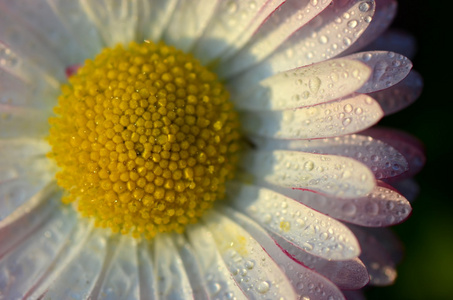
(426, 270)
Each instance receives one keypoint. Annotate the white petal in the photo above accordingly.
(115, 20)
(172, 281)
(216, 275)
(400, 95)
(384, 14)
(78, 267)
(307, 283)
(154, 18)
(23, 122)
(192, 267)
(230, 20)
(24, 220)
(188, 22)
(81, 28)
(327, 174)
(27, 262)
(310, 230)
(27, 93)
(148, 284)
(382, 159)
(388, 69)
(346, 274)
(51, 29)
(381, 207)
(251, 267)
(23, 53)
(310, 85)
(24, 171)
(326, 36)
(271, 34)
(324, 120)
(121, 280)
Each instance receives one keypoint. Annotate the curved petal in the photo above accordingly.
(271, 34)
(305, 86)
(324, 37)
(401, 95)
(310, 230)
(216, 276)
(121, 277)
(195, 15)
(346, 274)
(324, 120)
(381, 207)
(382, 159)
(307, 283)
(388, 68)
(250, 266)
(231, 20)
(328, 174)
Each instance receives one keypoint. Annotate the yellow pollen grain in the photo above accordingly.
(140, 138)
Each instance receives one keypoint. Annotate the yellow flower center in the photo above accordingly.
(145, 138)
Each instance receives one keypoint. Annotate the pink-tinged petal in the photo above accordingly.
(121, 280)
(400, 95)
(148, 280)
(410, 147)
(328, 174)
(195, 15)
(305, 86)
(324, 37)
(28, 261)
(381, 207)
(254, 271)
(271, 34)
(116, 21)
(384, 14)
(346, 274)
(388, 68)
(215, 274)
(382, 159)
(50, 29)
(396, 41)
(329, 119)
(307, 283)
(172, 279)
(300, 225)
(231, 20)
(379, 258)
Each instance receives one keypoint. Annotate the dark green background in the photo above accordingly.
(427, 269)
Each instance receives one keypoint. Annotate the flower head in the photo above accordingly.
(207, 149)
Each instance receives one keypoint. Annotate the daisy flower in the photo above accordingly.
(201, 149)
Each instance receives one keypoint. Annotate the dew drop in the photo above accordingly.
(352, 24)
(314, 84)
(349, 209)
(364, 7)
(263, 287)
(309, 165)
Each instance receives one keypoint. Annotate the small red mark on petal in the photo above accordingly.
(71, 70)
